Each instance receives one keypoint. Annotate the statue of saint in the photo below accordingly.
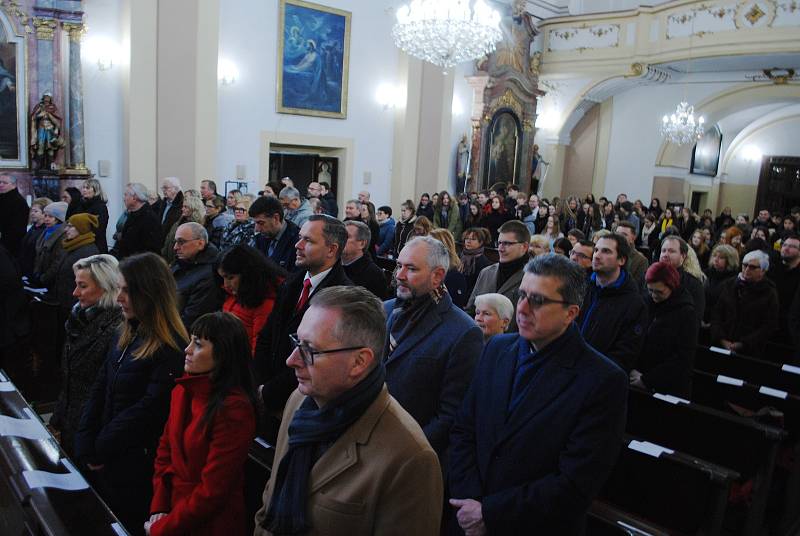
(46, 137)
(462, 158)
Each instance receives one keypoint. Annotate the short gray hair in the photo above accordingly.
(197, 230)
(104, 269)
(139, 191)
(356, 202)
(173, 181)
(289, 192)
(363, 232)
(501, 304)
(363, 320)
(571, 275)
(11, 178)
(438, 256)
(760, 256)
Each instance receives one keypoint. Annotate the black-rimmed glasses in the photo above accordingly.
(307, 354)
(537, 300)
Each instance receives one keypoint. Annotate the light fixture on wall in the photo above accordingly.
(102, 51)
(389, 96)
(682, 127)
(446, 32)
(751, 153)
(227, 72)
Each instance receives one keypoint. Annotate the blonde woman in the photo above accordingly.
(540, 245)
(194, 210)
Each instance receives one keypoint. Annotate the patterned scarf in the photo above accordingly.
(468, 258)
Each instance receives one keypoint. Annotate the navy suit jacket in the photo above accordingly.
(430, 370)
(537, 471)
(284, 254)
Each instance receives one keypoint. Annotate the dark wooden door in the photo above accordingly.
(778, 184)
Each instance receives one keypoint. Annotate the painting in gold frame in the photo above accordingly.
(313, 59)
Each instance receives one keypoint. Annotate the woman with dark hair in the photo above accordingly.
(454, 280)
(655, 208)
(72, 197)
(198, 483)
(496, 217)
(425, 207)
(472, 257)
(251, 283)
(591, 220)
(129, 403)
(698, 243)
(541, 218)
(562, 246)
(607, 218)
(446, 214)
(368, 217)
(474, 215)
(572, 216)
(665, 362)
(404, 228)
(94, 201)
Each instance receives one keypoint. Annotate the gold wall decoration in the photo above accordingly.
(45, 28)
(12, 9)
(755, 14)
(509, 100)
(75, 30)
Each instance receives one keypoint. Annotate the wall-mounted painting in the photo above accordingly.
(313, 59)
(705, 155)
(13, 117)
(503, 149)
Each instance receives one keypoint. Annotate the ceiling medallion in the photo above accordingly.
(754, 14)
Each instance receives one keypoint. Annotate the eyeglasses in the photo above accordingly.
(210, 206)
(182, 242)
(506, 244)
(579, 255)
(751, 267)
(307, 354)
(535, 301)
(240, 209)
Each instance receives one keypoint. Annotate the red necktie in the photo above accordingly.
(304, 295)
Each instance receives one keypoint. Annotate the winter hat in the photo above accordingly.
(57, 210)
(84, 222)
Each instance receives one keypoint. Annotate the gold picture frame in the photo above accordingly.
(313, 59)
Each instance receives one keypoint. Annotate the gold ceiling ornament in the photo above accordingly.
(76, 30)
(755, 13)
(779, 77)
(45, 28)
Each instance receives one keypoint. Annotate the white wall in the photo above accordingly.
(777, 137)
(461, 121)
(103, 100)
(249, 37)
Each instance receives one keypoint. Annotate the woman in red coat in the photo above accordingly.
(251, 282)
(198, 485)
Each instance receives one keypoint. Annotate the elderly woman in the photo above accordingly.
(723, 264)
(129, 402)
(192, 210)
(540, 245)
(48, 247)
(472, 257)
(91, 325)
(198, 483)
(242, 229)
(665, 362)
(27, 250)
(746, 314)
(493, 314)
(217, 219)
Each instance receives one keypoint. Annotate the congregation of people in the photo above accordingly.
(457, 365)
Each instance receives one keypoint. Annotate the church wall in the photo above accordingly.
(461, 122)
(248, 36)
(579, 161)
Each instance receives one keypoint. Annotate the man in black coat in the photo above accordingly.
(328, 200)
(14, 317)
(675, 250)
(142, 230)
(786, 276)
(168, 208)
(13, 214)
(359, 267)
(541, 426)
(194, 272)
(275, 236)
(613, 316)
(322, 240)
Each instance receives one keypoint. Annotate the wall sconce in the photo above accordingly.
(227, 72)
(547, 120)
(457, 109)
(104, 63)
(101, 51)
(389, 96)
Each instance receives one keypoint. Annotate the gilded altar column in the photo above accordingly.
(77, 148)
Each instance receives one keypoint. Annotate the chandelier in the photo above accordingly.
(681, 127)
(446, 32)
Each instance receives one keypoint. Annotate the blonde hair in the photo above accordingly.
(692, 265)
(540, 240)
(728, 253)
(446, 237)
(197, 209)
(104, 269)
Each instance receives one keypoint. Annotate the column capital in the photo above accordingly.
(75, 30)
(45, 28)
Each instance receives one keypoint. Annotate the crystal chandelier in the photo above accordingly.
(681, 127)
(446, 32)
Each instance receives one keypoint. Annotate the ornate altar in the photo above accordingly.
(41, 94)
(504, 107)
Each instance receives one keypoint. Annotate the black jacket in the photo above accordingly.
(13, 220)
(64, 283)
(27, 250)
(273, 346)
(713, 286)
(746, 313)
(329, 205)
(669, 345)
(284, 253)
(365, 273)
(173, 214)
(141, 233)
(14, 317)
(402, 234)
(786, 283)
(198, 292)
(695, 288)
(99, 208)
(613, 318)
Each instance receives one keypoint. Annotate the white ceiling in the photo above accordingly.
(735, 63)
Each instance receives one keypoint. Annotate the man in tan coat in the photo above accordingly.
(349, 459)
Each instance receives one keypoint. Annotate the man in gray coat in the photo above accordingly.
(296, 209)
(504, 277)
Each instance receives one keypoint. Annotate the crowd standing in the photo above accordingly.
(387, 354)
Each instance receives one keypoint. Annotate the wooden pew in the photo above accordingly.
(667, 488)
(257, 470)
(743, 445)
(606, 520)
(716, 360)
(43, 510)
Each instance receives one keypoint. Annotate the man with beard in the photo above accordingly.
(786, 276)
(432, 345)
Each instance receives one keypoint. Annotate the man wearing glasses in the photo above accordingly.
(786, 276)
(349, 459)
(504, 277)
(542, 423)
(168, 208)
(194, 270)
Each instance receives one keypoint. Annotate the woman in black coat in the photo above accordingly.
(90, 327)
(665, 363)
(78, 243)
(129, 403)
(95, 202)
(473, 259)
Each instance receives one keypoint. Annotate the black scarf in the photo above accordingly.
(311, 428)
(409, 314)
(468, 258)
(506, 269)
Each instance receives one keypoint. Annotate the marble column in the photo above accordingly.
(45, 30)
(77, 149)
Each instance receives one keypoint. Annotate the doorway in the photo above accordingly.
(699, 201)
(778, 184)
(303, 168)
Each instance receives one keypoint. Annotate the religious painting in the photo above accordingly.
(705, 155)
(503, 149)
(313, 59)
(327, 170)
(12, 117)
